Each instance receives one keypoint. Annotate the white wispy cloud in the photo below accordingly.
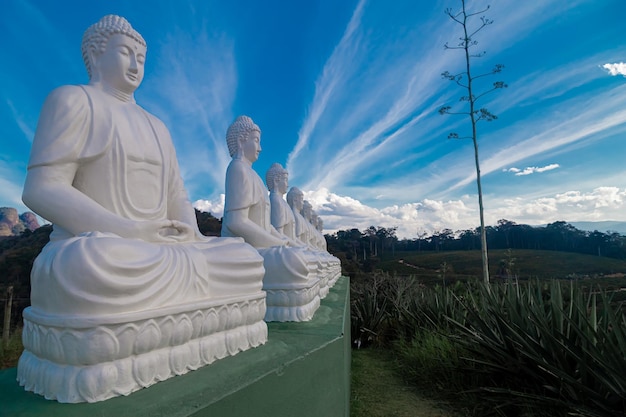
(333, 73)
(531, 170)
(429, 215)
(556, 128)
(21, 122)
(11, 183)
(361, 133)
(193, 89)
(616, 69)
(362, 125)
(214, 206)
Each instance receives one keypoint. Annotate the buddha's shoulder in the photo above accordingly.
(67, 96)
(71, 91)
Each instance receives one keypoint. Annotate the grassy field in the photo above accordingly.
(11, 353)
(521, 263)
(378, 390)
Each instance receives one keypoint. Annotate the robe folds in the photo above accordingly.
(127, 164)
(285, 267)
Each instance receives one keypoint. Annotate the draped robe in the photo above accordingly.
(127, 164)
(285, 267)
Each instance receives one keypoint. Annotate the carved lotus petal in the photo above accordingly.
(29, 337)
(219, 348)
(126, 336)
(257, 334)
(70, 342)
(26, 369)
(197, 319)
(245, 313)
(179, 358)
(260, 308)
(211, 323)
(182, 332)
(145, 369)
(236, 340)
(235, 319)
(99, 345)
(96, 382)
(52, 347)
(195, 360)
(210, 347)
(148, 338)
(223, 314)
(168, 326)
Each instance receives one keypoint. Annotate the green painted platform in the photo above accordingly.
(303, 370)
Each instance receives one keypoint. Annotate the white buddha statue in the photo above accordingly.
(123, 291)
(283, 220)
(320, 229)
(295, 199)
(307, 213)
(290, 280)
(304, 211)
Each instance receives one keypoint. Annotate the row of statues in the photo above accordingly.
(128, 292)
(298, 270)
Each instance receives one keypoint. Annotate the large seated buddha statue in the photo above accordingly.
(291, 279)
(127, 292)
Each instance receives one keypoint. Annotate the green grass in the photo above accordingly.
(525, 264)
(379, 391)
(11, 353)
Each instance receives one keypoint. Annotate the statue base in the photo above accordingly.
(303, 370)
(292, 304)
(90, 359)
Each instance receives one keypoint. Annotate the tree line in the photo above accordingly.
(506, 234)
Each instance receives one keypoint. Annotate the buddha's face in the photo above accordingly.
(306, 211)
(298, 201)
(251, 147)
(282, 183)
(121, 65)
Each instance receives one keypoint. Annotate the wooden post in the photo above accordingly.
(7, 316)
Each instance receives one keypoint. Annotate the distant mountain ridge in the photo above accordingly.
(602, 226)
(13, 224)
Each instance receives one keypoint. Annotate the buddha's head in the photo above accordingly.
(277, 178)
(307, 210)
(243, 138)
(114, 53)
(295, 198)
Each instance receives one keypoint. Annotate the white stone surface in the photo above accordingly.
(290, 270)
(331, 266)
(128, 292)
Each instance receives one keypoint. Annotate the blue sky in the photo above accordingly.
(346, 93)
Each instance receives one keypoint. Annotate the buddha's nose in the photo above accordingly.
(133, 65)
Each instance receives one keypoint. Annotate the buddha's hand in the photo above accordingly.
(178, 231)
(164, 231)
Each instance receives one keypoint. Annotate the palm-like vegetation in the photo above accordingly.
(540, 348)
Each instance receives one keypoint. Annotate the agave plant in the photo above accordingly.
(369, 309)
(546, 350)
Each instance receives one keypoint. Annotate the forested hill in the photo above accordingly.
(557, 236)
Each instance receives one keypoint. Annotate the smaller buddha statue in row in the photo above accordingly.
(291, 271)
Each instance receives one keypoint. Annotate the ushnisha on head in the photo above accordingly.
(295, 196)
(274, 176)
(97, 36)
(243, 139)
